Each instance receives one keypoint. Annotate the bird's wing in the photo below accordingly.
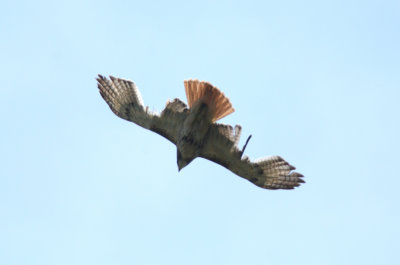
(269, 172)
(124, 99)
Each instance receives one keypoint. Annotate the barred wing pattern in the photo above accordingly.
(124, 99)
(270, 172)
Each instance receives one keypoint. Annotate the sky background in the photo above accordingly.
(316, 82)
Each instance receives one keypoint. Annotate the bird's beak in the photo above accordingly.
(180, 167)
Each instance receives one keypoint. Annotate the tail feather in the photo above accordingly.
(209, 94)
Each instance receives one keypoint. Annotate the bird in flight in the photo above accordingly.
(194, 131)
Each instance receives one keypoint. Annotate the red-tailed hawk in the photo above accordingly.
(194, 132)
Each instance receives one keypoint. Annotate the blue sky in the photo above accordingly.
(316, 82)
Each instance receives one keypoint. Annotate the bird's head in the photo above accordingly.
(182, 162)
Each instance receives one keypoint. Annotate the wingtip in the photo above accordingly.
(301, 180)
(299, 177)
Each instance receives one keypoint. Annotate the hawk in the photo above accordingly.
(194, 131)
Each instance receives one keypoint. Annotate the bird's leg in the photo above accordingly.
(244, 147)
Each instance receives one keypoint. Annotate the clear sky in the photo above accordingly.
(316, 82)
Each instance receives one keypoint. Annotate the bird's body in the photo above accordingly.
(192, 135)
(194, 132)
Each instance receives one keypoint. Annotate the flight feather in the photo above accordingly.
(124, 99)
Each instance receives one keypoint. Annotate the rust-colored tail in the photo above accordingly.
(210, 95)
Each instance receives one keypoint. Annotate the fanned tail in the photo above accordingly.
(210, 95)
